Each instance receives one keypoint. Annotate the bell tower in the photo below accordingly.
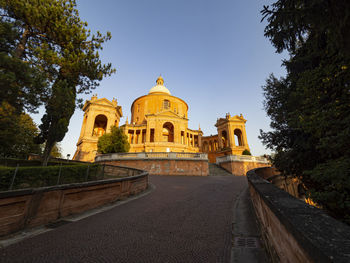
(232, 137)
(99, 116)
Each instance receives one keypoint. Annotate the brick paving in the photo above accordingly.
(185, 219)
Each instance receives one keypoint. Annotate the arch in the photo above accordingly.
(211, 149)
(205, 146)
(238, 137)
(100, 125)
(168, 132)
(224, 139)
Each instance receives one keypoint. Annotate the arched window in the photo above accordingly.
(166, 104)
(224, 139)
(238, 137)
(100, 125)
(168, 132)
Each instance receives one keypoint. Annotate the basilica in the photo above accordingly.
(159, 123)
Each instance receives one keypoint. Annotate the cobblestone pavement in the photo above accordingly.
(185, 219)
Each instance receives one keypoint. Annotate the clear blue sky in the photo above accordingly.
(212, 54)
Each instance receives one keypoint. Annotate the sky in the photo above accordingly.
(212, 54)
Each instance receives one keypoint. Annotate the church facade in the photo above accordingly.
(159, 123)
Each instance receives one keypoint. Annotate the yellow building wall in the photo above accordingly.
(153, 104)
(224, 143)
(99, 116)
(159, 123)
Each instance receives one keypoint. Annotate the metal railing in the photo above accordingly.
(242, 158)
(151, 155)
(18, 177)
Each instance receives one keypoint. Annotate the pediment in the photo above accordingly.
(237, 118)
(228, 118)
(103, 101)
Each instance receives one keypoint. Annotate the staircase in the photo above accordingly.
(215, 170)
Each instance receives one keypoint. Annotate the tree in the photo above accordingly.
(21, 85)
(56, 151)
(114, 142)
(310, 107)
(246, 152)
(56, 42)
(17, 133)
(55, 121)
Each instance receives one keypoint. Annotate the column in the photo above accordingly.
(140, 137)
(148, 133)
(244, 135)
(109, 124)
(220, 139)
(231, 136)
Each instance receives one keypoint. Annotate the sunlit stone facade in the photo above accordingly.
(99, 116)
(159, 123)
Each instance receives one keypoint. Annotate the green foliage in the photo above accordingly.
(55, 121)
(12, 162)
(50, 37)
(246, 152)
(32, 177)
(114, 142)
(17, 133)
(310, 107)
(56, 151)
(21, 85)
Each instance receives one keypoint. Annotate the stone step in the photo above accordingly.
(215, 170)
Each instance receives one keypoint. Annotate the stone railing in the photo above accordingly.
(294, 231)
(151, 155)
(32, 207)
(241, 158)
(110, 171)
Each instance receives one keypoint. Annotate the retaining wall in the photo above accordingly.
(33, 207)
(193, 164)
(241, 164)
(293, 230)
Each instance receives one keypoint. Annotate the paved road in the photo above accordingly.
(185, 219)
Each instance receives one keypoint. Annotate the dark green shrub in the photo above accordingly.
(11, 162)
(246, 152)
(32, 177)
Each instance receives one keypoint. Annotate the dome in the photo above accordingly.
(159, 88)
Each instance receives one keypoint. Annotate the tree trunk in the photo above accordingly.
(46, 155)
(22, 44)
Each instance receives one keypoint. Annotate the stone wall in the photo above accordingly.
(293, 230)
(165, 166)
(240, 167)
(160, 163)
(241, 164)
(34, 207)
